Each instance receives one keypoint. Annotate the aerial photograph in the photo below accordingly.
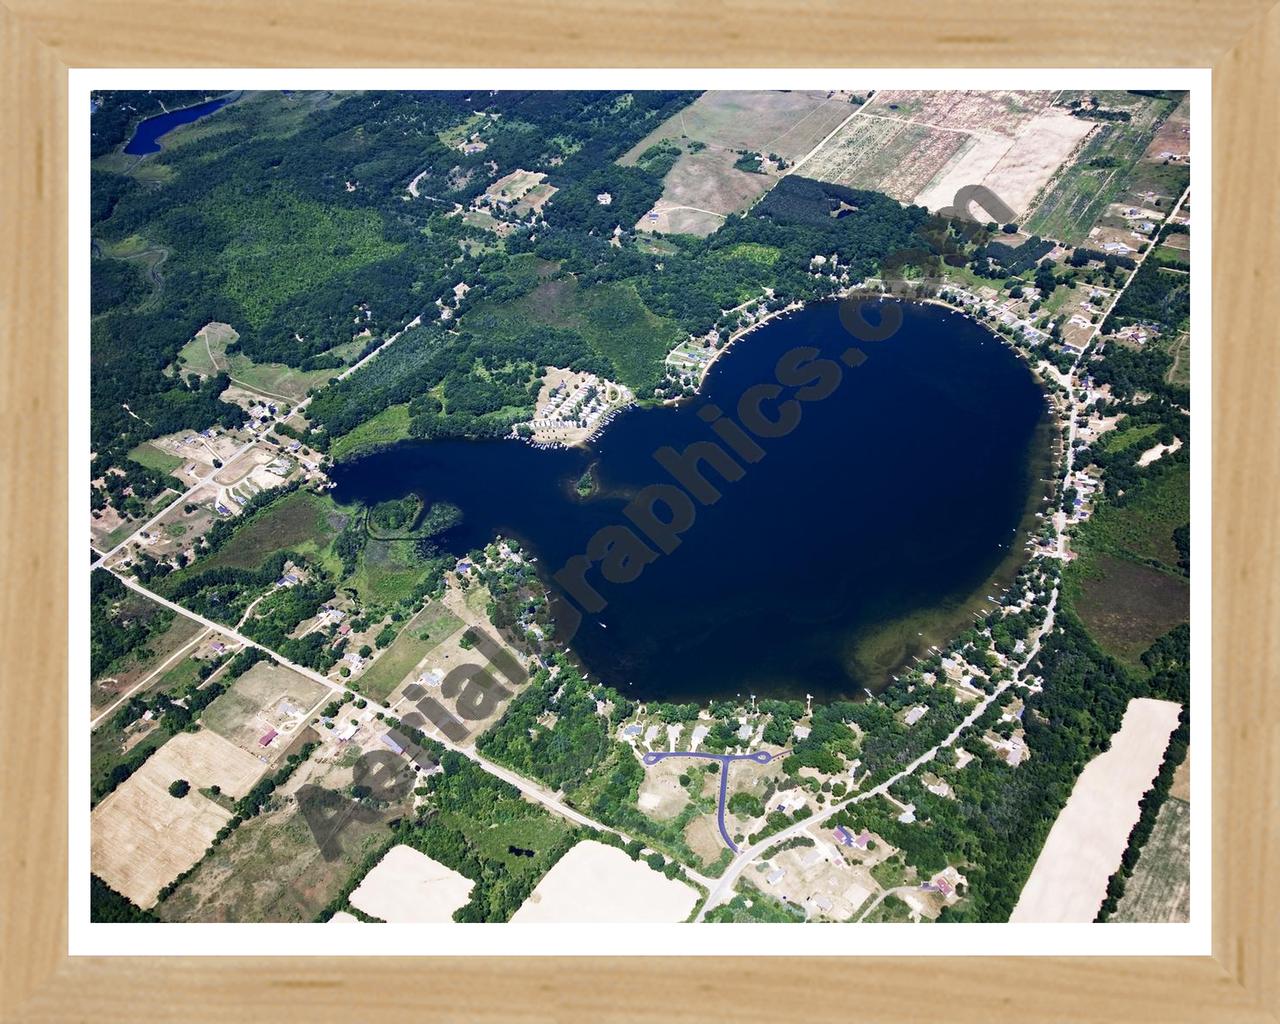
(618, 507)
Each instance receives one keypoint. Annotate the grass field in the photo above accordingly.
(142, 838)
(301, 521)
(787, 123)
(1159, 890)
(1125, 606)
(389, 426)
(1101, 174)
(1180, 351)
(388, 572)
(206, 354)
(162, 641)
(253, 705)
(704, 184)
(1127, 437)
(272, 869)
(420, 635)
(147, 454)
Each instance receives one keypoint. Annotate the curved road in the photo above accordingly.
(759, 757)
(530, 789)
(723, 888)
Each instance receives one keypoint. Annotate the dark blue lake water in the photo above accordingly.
(146, 137)
(860, 537)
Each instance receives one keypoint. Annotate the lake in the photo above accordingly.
(872, 529)
(146, 137)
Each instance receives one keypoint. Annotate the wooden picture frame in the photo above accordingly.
(42, 39)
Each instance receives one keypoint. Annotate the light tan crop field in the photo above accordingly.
(594, 882)
(141, 838)
(711, 131)
(886, 154)
(1069, 880)
(408, 887)
(268, 696)
(922, 147)
(515, 185)
(787, 123)
(999, 111)
(1014, 170)
(1159, 890)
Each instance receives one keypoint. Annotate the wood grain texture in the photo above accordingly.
(1246, 548)
(657, 33)
(39, 39)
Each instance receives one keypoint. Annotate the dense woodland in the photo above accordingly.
(288, 218)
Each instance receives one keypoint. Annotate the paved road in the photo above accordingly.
(759, 757)
(723, 888)
(533, 790)
(208, 478)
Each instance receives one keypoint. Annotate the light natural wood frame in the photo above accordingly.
(41, 39)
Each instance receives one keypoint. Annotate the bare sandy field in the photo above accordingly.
(707, 182)
(142, 838)
(667, 218)
(1069, 880)
(598, 883)
(923, 147)
(408, 887)
(1014, 169)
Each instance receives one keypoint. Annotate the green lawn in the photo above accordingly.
(206, 354)
(1127, 437)
(301, 521)
(153, 458)
(389, 426)
(422, 633)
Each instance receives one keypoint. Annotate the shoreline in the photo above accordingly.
(936, 625)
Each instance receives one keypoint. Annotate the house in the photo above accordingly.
(862, 840)
(346, 732)
(775, 876)
(267, 737)
(915, 714)
(604, 198)
(386, 738)
(842, 836)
